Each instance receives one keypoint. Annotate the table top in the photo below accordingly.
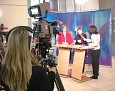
(73, 46)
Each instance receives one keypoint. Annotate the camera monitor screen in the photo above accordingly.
(34, 11)
(39, 10)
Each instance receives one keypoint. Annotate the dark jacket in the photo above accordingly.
(39, 81)
(78, 37)
(61, 38)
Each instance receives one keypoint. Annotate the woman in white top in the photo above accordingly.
(95, 54)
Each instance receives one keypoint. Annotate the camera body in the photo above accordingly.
(43, 30)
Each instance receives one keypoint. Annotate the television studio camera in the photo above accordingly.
(43, 31)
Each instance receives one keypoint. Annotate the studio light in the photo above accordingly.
(80, 2)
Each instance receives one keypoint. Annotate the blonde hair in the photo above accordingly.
(17, 66)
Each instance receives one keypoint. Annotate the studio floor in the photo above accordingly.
(105, 82)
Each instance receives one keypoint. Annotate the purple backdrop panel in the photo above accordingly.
(101, 19)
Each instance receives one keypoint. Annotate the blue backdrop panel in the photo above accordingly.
(102, 19)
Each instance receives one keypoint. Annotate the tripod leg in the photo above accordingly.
(58, 82)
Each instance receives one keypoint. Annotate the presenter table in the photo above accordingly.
(63, 59)
(77, 67)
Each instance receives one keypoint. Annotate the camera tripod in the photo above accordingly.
(51, 63)
(58, 82)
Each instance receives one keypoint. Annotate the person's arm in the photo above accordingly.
(88, 40)
(95, 42)
(4, 29)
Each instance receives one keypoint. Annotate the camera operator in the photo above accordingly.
(19, 71)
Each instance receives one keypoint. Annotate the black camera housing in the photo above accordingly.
(39, 10)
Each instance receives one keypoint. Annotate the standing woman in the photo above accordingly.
(78, 38)
(65, 37)
(95, 52)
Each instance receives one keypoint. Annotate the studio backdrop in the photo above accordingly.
(101, 19)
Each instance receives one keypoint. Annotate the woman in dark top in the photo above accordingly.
(17, 72)
(78, 38)
(39, 80)
(80, 41)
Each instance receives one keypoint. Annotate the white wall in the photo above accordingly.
(71, 6)
(13, 13)
(62, 5)
(90, 5)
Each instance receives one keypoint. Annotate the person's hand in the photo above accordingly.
(79, 41)
(84, 39)
(66, 43)
(87, 40)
